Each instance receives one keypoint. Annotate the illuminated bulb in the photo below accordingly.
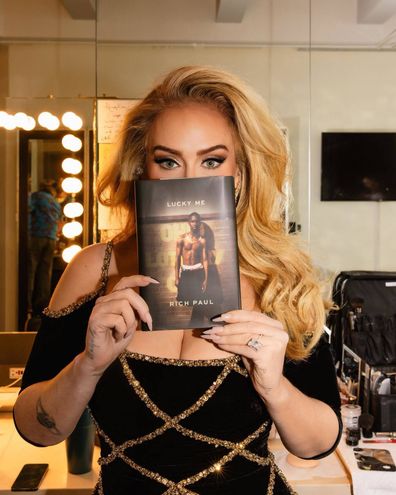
(69, 252)
(29, 124)
(20, 119)
(72, 121)
(3, 117)
(53, 123)
(72, 229)
(43, 118)
(71, 142)
(71, 185)
(9, 123)
(71, 166)
(73, 210)
(217, 467)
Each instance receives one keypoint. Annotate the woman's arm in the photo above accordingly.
(46, 412)
(307, 426)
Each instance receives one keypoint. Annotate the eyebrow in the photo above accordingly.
(202, 152)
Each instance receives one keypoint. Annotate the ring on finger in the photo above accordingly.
(254, 344)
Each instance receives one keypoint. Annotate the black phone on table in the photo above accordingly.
(29, 478)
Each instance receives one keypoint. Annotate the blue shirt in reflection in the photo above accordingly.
(44, 215)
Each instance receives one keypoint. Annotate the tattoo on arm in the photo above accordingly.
(45, 419)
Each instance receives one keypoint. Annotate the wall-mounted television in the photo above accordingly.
(358, 166)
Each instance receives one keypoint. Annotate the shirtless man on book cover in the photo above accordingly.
(191, 266)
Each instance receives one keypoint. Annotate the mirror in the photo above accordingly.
(320, 65)
(43, 216)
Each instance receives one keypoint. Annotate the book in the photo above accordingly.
(186, 238)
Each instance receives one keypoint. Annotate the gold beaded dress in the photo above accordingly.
(172, 426)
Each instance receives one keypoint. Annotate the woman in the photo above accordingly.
(182, 411)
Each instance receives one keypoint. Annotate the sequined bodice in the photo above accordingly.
(181, 427)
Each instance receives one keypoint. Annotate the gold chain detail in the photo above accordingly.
(283, 477)
(232, 361)
(91, 295)
(179, 488)
(142, 394)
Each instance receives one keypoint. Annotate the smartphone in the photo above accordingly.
(29, 478)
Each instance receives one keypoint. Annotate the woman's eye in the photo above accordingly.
(213, 162)
(167, 163)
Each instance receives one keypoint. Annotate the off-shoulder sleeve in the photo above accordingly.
(62, 333)
(316, 377)
(58, 341)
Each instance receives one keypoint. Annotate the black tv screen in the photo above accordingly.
(358, 166)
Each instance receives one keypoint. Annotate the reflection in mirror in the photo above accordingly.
(46, 222)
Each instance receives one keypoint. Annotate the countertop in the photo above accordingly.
(328, 478)
(368, 482)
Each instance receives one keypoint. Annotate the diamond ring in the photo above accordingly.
(254, 344)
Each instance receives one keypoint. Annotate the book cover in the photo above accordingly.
(186, 233)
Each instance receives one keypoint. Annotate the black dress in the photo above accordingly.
(173, 426)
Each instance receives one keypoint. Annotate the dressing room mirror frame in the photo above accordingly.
(86, 195)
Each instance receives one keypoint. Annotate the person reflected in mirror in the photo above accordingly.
(43, 227)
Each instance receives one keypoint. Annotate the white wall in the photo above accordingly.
(352, 91)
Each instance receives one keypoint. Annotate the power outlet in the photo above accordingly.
(16, 373)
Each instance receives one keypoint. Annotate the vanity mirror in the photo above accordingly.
(55, 213)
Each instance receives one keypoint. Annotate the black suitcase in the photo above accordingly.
(366, 316)
(365, 323)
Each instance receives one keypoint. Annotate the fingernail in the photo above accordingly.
(217, 319)
(209, 331)
(154, 280)
(149, 321)
(226, 316)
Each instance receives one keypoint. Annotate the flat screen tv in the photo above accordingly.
(358, 166)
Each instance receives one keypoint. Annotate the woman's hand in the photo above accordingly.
(113, 322)
(260, 340)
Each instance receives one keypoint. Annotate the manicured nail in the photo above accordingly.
(209, 331)
(226, 316)
(153, 280)
(149, 321)
(217, 319)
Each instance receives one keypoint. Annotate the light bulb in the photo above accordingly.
(71, 142)
(71, 185)
(72, 121)
(72, 229)
(10, 123)
(29, 124)
(71, 166)
(20, 119)
(3, 117)
(43, 118)
(73, 210)
(53, 123)
(69, 252)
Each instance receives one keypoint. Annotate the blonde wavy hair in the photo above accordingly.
(281, 274)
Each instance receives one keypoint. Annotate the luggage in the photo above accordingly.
(366, 316)
(365, 323)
